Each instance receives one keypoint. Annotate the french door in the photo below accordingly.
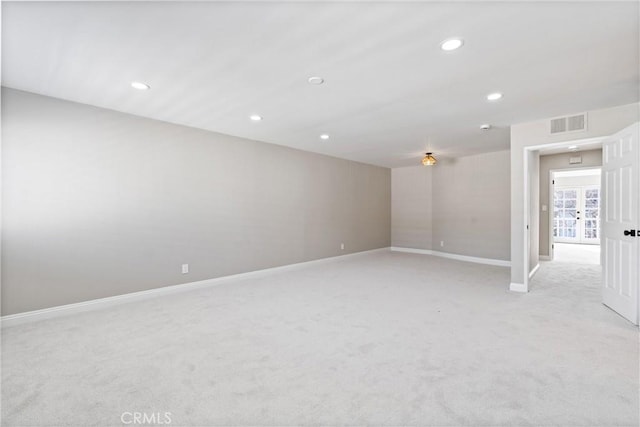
(576, 215)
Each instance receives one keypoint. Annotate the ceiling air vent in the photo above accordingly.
(575, 123)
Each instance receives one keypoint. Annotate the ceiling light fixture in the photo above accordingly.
(486, 126)
(324, 136)
(451, 44)
(315, 80)
(494, 96)
(573, 147)
(429, 160)
(255, 117)
(140, 86)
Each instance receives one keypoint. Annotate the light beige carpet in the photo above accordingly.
(377, 339)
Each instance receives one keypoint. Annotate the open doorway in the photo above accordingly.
(619, 158)
(569, 180)
(575, 215)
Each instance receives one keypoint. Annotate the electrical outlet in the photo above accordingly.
(442, 243)
(342, 246)
(185, 268)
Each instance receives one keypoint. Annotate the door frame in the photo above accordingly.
(551, 250)
(528, 151)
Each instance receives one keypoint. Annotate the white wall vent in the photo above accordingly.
(559, 125)
(575, 123)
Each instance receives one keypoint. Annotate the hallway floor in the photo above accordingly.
(577, 253)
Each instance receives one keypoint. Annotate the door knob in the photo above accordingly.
(631, 233)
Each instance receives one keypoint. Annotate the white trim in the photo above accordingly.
(489, 261)
(561, 144)
(534, 271)
(411, 250)
(100, 303)
(518, 287)
(527, 217)
(551, 205)
(478, 260)
(544, 258)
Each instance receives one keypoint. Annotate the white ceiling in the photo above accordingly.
(390, 92)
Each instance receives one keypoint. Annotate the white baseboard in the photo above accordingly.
(100, 303)
(412, 250)
(534, 271)
(518, 287)
(544, 258)
(490, 261)
(498, 262)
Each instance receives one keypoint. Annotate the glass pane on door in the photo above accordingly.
(591, 214)
(565, 214)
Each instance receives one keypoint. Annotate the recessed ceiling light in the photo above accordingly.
(324, 136)
(494, 96)
(140, 86)
(255, 117)
(315, 80)
(451, 44)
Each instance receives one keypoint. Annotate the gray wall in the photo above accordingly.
(559, 162)
(471, 206)
(98, 203)
(411, 207)
(468, 209)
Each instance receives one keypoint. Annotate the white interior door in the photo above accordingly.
(621, 222)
